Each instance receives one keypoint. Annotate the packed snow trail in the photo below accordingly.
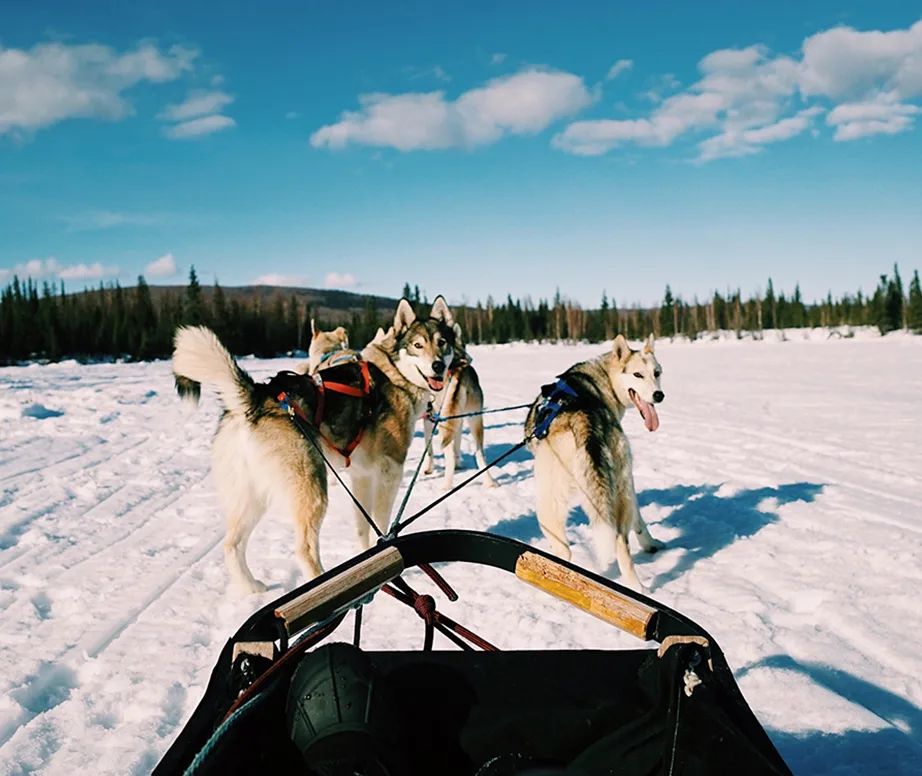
(785, 480)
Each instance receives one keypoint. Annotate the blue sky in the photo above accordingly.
(485, 149)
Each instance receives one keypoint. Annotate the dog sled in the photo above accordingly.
(290, 695)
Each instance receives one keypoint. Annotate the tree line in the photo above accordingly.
(116, 322)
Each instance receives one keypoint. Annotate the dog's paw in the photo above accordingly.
(427, 470)
(257, 587)
(655, 546)
(491, 483)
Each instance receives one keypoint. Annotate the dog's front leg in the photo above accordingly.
(428, 427)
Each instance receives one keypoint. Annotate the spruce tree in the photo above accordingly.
(195, 306)
(914, 311)
(605, 313)
(666, 317)
(894, 303)
(770, 310)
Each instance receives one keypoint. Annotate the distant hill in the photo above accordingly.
(331, 306)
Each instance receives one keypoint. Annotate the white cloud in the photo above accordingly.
(52, 82)
(50, 268)
(335, 280)
(663, 83)
(94, 271)
(199, 102)
(751, 141)
(497, 59)
(844, 63)
(618, 68)
(524, 103)
(747, 98)
(163, 267)
(198, 115)
(880, 115)
(206, 125)
(276, 279)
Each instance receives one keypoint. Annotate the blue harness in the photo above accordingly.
(554, 397)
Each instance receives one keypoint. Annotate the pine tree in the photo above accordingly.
(914, 311)
(770, 315)
(407, 293)
(666, 314)
(894, 303)
(195, 306)
(605, 313)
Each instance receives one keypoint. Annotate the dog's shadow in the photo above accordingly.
(707, 522)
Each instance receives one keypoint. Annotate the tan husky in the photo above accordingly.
(586, 450)
(327, 348)
(259, 455)
(462, 396)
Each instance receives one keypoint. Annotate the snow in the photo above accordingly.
(785, 479)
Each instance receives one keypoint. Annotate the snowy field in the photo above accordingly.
(785, 479)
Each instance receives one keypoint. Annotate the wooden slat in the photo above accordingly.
(630, 616)
(341, 591)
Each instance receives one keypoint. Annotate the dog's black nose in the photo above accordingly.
(658, 396)
(438, 367)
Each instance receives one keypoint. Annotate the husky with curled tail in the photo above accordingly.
(259, 456)
(586, 451)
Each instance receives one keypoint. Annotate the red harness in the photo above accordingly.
(322, 388)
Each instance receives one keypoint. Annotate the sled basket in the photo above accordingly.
(282, 701)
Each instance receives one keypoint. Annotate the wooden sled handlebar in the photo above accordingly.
(561, 582)
(340, 592)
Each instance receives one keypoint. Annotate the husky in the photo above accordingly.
(327, 348)
(259, 456)
(586, 449)
(462, 395)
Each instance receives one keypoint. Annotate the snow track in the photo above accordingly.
(784, 479)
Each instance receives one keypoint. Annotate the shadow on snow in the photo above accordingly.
(707, 522)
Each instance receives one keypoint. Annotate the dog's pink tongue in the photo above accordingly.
(647, 412)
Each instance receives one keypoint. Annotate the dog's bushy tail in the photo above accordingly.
(200, 358)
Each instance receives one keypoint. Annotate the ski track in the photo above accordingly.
(784, 479)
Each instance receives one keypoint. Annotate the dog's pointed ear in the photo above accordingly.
(648, 345)
(404, 316)
(441, 312)
(313, 329)
(620, 349)
(457, 330)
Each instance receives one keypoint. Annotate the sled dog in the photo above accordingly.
(259, 455)
(327, 348)
(587, 450)
(462, 395)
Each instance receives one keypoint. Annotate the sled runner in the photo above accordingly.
(282, 701)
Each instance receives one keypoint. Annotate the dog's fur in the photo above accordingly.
(586, 449)
(462, 395)
(327, 348)
(260, 456)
